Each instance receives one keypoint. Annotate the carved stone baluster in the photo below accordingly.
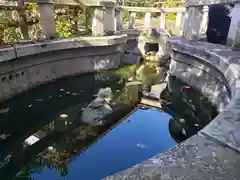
(109, 21)
(147, 19)
(234, 29)
(179, 21)
(132, 19)
(193, 22)
(163, 20)
(203, 27)
(119, 14)
(103, 22)
(47, 21)
(97, 22)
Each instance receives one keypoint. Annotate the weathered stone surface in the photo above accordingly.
(208, 2)
(215, 56)
(198, 158)
(192, 23)
(225, 127)
(7, 53)
(69, 43)
(212, 88)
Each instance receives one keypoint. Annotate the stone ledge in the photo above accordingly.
(226, 126)
(7, 54)
(219, 57)
(20, 50)
(131, 33)
(69, 43)
(198, 158)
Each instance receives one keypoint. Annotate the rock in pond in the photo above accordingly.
(98, 108)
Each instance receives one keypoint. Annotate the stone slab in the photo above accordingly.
(7, 54)
(68, 43)
(199, 158)
(226, 126)
(208, 2)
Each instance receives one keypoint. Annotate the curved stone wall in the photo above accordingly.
(24, 66)
(214, 153)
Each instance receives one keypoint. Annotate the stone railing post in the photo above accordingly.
(132, 18)
(193, 22)
(179, 21)
(204, 22)
(147, 23)
(163, 20)
(104, 22)
(46, 8)
(119, 14)
(234, 29)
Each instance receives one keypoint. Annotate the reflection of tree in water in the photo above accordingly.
(191, 111)
(41, 113)
(33, 167)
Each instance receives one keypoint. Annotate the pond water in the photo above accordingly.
(54, 131)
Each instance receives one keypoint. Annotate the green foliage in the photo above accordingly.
(70, 21)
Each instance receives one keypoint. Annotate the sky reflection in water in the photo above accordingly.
(142, 135)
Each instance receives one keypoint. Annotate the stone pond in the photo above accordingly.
(49, 131)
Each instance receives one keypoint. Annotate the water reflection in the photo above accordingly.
(40, 118)
(190, 110)
(92, 125)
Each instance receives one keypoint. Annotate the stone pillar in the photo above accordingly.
(234, 29)
(204, 23)
(46, 8)
(179, 21)
(147, 19)
(119, 14)
(192, 23)
(103, 22)
(132, 18)
(163, 20)
(109, 21)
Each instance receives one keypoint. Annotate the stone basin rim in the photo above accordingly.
(32, 48)
(219, 57)
(222, 132)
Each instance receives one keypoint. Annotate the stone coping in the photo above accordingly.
(214, 153)
(20, 50)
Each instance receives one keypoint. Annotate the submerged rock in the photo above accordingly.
(98, 108)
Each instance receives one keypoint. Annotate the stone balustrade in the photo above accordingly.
(107, 18)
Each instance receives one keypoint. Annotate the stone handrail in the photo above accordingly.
(163, 14)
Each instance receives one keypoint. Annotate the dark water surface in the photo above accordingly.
(43, 136)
